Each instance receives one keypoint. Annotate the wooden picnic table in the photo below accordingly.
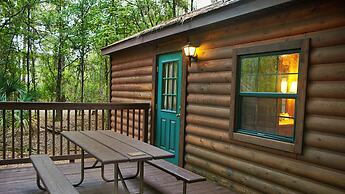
(109, 147)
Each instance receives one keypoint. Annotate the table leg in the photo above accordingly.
(82, 168)
(124, 178)
(116, 178)
(123, 181)
(39, 183)
(184, 187)
(141, 168)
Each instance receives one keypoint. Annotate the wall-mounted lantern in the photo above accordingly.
(190, 51)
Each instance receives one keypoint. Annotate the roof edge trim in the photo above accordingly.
(238, 8)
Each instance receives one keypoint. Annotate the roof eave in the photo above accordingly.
(239, 8)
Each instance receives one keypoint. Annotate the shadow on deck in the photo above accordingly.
(23, 180)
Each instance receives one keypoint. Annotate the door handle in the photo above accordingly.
(178, 115)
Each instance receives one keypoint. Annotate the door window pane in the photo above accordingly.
(169, 86)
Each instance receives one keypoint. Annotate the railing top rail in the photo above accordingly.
(69, 106)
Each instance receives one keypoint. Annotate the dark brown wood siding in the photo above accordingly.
(248, 168)
(243, 167)
(131, 81)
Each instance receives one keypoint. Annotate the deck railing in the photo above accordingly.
(34, 128)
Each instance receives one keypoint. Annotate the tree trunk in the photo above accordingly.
(33, 70)
(82, 65)
(59, 78)
(59, 60)
(101, 79)
(23, 62)
(174, 7)
(60, 65)
(28, 48)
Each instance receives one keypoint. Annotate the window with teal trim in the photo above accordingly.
(267, 94)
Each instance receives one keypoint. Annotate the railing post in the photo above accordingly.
(146, 124)
(4, 134)
(109, 119)
(30, 132)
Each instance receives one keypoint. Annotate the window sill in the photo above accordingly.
(270, 143)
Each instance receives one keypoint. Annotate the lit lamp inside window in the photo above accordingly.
(293, 87)
(283, 89)
(284, 85)
(190, 50)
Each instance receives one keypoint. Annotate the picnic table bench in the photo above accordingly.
(53, 180)
(180, 173)
(108, 147)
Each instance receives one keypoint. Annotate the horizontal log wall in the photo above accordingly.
(131, 78)
(131, 81)
(247, 168)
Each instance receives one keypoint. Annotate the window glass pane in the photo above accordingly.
(273, 116)
(170, 102)
(175, 69)
(249, 65)
(166, 91)
(288, 63)
(248, 83)
(268, 64)
(286, 107)
(286, 117)
(174, 103)
(175, 87)
(261, 113)
(169, 87)
(164, 102)
(164, 85)
(171, 69)
(269, 73)
(267, 83)
(288, 83)
(165, 70)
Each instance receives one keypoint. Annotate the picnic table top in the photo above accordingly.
(110, 147)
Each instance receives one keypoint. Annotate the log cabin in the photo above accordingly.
(249, 93)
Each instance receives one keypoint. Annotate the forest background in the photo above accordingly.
(50, 49)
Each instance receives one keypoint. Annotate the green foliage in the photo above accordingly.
(11, 88)
(45, 46)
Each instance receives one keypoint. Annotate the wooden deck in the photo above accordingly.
(23, 180)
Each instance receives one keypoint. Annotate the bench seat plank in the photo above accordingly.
(181, 173)
(52, 178)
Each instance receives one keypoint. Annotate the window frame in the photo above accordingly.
(286, 45)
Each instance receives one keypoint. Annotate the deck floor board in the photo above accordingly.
(23, 180)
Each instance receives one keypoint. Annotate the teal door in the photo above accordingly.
(168, 103)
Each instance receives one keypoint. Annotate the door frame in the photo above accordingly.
(185, 63)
